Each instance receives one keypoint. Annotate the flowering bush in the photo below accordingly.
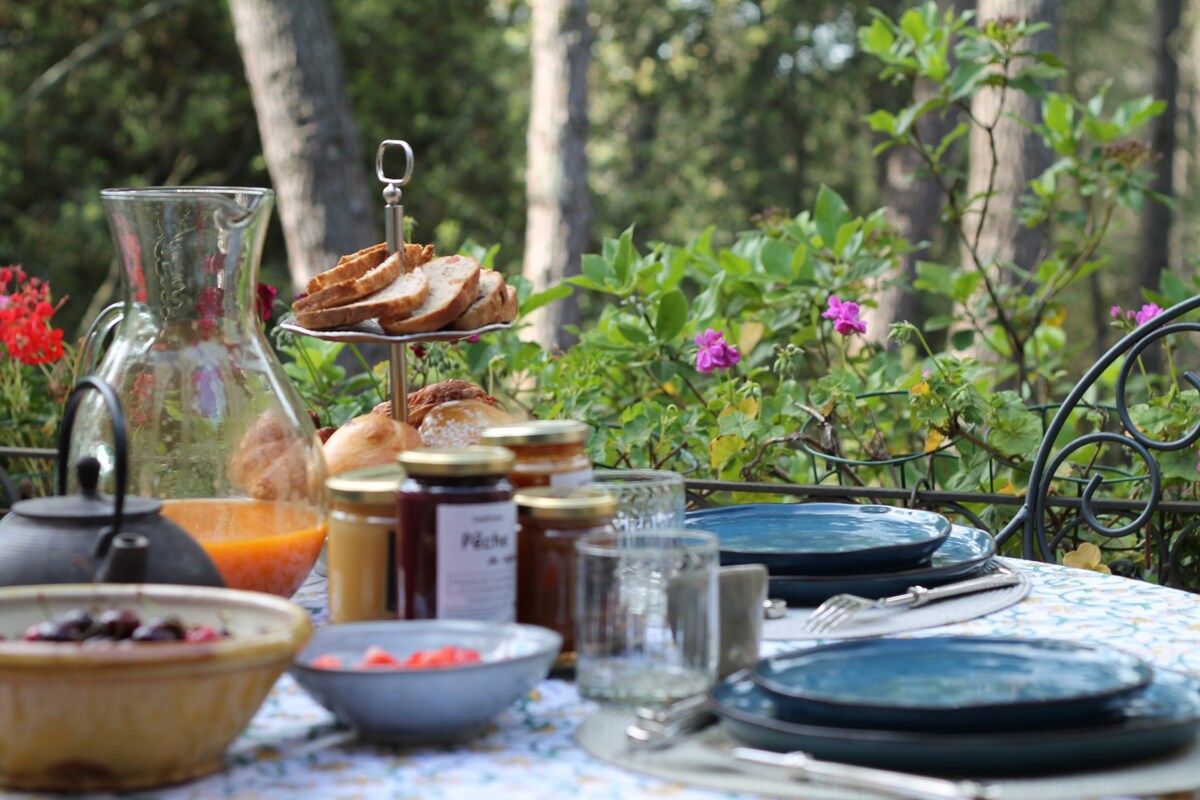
(34, 369)
(783, 386)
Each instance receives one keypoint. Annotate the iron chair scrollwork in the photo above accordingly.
(1145, 514)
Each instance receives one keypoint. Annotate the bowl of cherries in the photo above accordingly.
(117, 687)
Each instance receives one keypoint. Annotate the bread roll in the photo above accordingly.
(270, 461)
(458, 423)
(367, 441)
(421, 401)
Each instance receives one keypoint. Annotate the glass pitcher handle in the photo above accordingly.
(97, 332)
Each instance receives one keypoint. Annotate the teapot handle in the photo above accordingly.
(120, 442)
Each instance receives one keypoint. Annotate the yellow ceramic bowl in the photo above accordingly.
(111, 716)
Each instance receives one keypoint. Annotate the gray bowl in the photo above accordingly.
(411, 706)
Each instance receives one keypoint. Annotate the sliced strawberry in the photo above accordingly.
(326, 662)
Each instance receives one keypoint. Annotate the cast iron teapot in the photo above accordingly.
(88, 537)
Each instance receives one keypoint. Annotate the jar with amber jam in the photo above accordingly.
(361, 549)
(458, 534)
(552, 519)
(550, 452)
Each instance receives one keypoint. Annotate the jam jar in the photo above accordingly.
(457, 534)
(552, 519)
(361, 550)
(549, 452)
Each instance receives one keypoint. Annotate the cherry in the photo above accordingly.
(159, 630)
(117, 624)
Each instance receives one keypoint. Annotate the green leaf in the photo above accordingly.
(936, 278)
(1058, 116)
(536, 301)
(831, 213)
(882, 121)
(962, 340)
(672, 315)
(633, 334)
(776, 258)
(625, 256)
(877, 38)
(596, 269)
(913, 23)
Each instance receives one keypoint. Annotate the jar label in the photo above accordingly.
(575, 477)
(477, 561)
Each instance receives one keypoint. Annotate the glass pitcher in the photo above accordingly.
(216, 431)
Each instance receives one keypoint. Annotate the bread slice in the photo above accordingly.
(453, 286)
(510, 308)
(416, 255)
(488, 303)
(339, 294)
(399, 298)
(349, 267)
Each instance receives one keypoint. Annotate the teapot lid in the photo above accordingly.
(89, 504)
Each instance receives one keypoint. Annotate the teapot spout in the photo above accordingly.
(126, 559)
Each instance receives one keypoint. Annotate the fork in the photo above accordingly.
(841, 608)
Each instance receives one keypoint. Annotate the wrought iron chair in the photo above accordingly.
(1165, 524)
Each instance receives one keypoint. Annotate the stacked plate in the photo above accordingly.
(961, 705)
(816, 550)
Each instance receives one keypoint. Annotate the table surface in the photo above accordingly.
(294, 749)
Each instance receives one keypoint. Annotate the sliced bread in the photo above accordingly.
(349, 267)
(355, 289)
(397, 299)
(453, 286)
(510, 309)
(487, 305)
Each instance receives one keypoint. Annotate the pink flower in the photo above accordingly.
(925, 373)
(844, 316)
(715, 352)
(1149, 311)
(1116, 312)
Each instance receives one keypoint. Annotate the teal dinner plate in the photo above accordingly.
(823, 538)
(965, 552)
(952, 683)
(1161, 719)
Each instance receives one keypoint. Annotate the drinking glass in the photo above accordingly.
(646, 498)
(647, 615)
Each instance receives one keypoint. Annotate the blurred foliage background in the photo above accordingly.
(703, 112)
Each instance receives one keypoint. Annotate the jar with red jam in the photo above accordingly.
(552, 519)
(457, 529)
(550, 452)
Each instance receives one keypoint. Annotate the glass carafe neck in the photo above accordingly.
(190, 255)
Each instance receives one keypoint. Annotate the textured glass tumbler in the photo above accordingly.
(647, 615)
(646, 498)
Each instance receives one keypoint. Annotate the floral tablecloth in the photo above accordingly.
(294, 749)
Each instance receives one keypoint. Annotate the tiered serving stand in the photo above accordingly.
(370, 331)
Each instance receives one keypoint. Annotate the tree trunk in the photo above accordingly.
(559, 206)
(1154, 252)
(1019, 153)
(914, 205)
(308, 134)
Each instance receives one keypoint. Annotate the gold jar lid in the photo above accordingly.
(566, 502)
(366, 485)
(457, 462)
(539, 431)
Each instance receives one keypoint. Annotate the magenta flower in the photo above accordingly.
(1149, 311)
(1116, 312)
(715, 352)
(844, 316)
(265, 300)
